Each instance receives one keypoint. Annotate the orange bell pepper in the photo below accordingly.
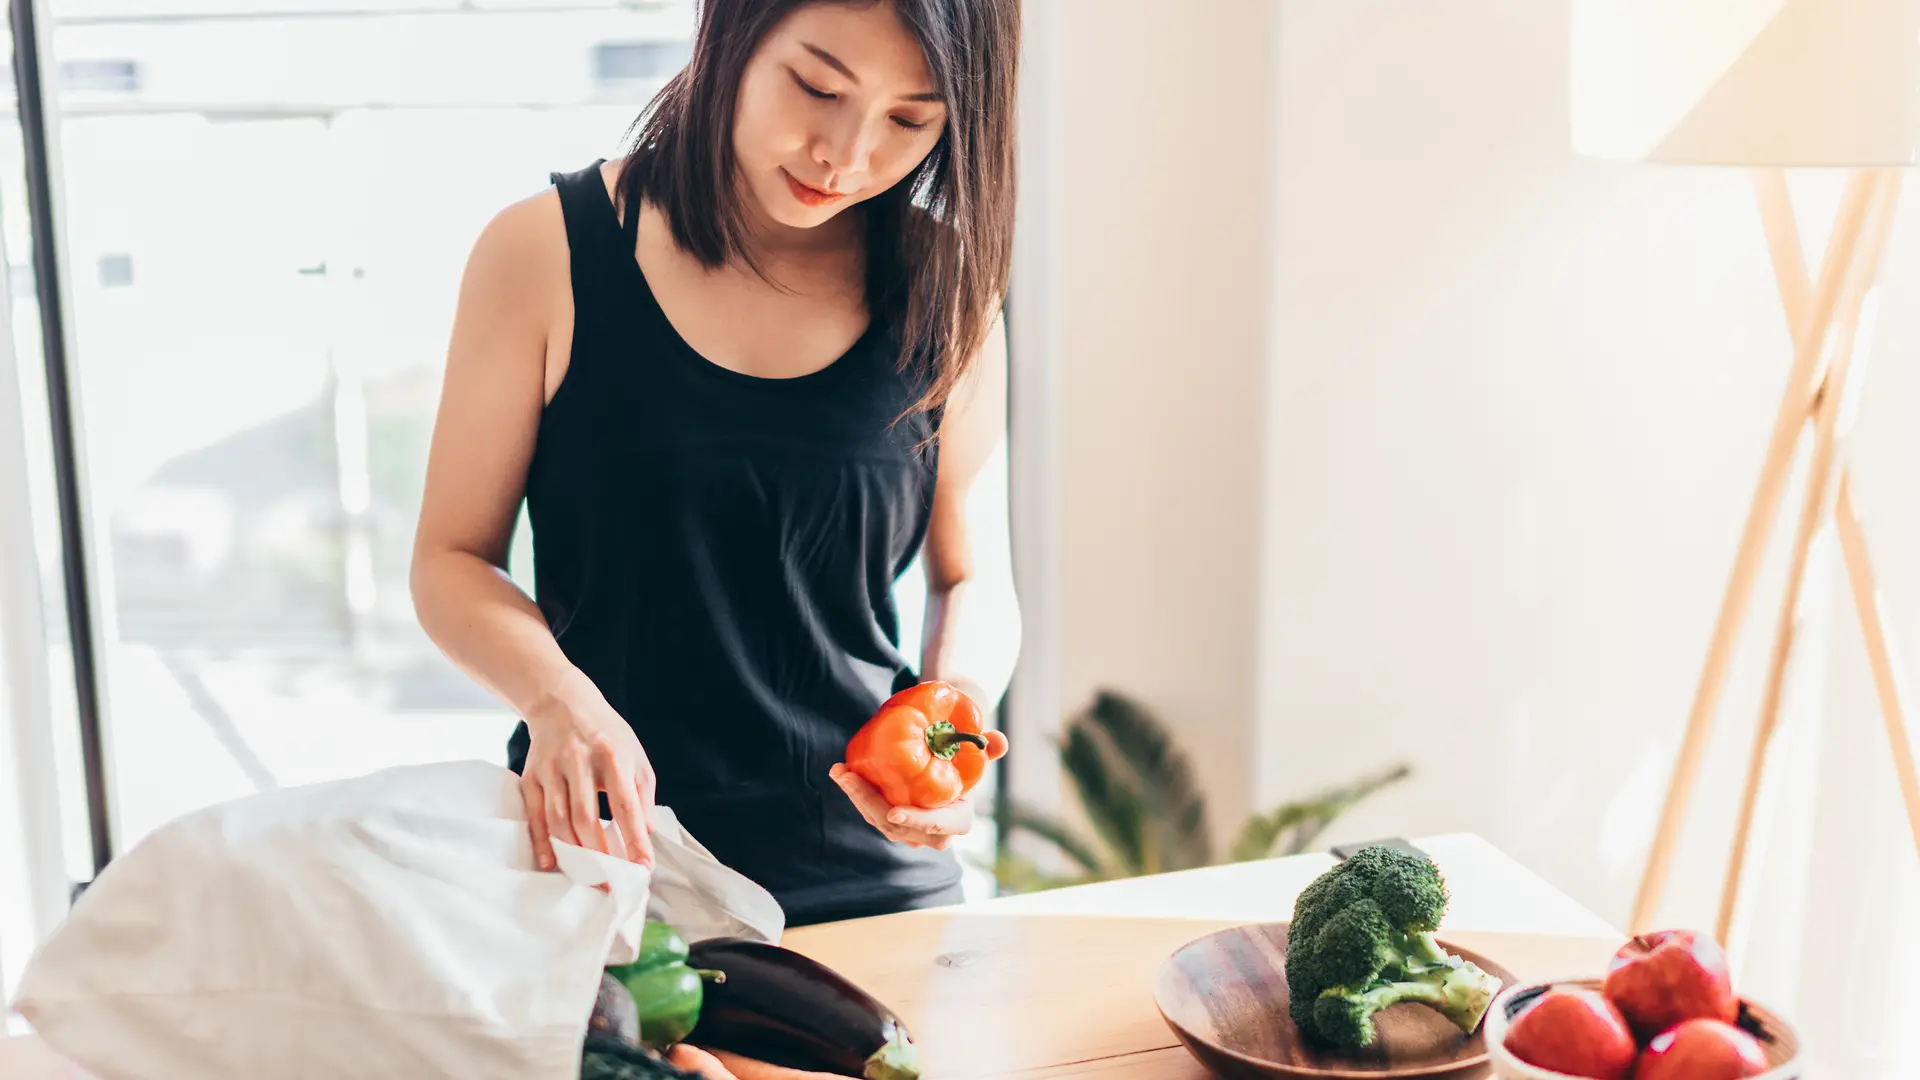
(925, 747)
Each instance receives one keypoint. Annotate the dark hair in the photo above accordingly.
(939, 243)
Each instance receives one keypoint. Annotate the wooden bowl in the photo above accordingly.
(1776, 1036)
(1225, 997)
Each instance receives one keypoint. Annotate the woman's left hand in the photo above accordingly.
(905, 824)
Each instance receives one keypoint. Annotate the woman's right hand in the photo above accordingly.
(514, 300)
(579, 748)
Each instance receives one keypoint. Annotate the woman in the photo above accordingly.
(741, 377)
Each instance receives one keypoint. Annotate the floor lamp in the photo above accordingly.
(1770, 85)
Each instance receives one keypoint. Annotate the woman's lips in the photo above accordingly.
(809, 195)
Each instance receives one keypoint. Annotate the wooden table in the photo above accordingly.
(1055, 985)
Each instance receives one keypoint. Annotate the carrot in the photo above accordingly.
(695, 1060)
(723, 1065)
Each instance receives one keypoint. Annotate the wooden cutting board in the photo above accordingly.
(1054, 996)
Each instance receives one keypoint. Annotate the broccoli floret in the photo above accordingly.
(604, 1058)
(1362, 939)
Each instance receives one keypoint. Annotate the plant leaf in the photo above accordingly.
(1013, 874)
(1290, 828)
(1023, 818)
(1262, 831)
(1112, 803)
(1338, 800)
(1172, 801)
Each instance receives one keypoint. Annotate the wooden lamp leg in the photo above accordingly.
(1810, 327)
(1886, 678)
(1814, 510)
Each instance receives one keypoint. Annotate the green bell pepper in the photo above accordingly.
(666, 992)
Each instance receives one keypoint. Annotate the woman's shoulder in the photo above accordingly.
(517, 274)
(527, 238)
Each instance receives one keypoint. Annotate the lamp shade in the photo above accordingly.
(1747, 82)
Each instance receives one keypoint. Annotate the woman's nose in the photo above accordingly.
(848, 150)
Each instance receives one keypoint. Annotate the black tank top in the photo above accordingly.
(717, 552)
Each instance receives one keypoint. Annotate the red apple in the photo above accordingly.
(1575, 1031)
(1660, 980)
(1701, 1050)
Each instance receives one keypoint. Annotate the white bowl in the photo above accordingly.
(1782, 1048)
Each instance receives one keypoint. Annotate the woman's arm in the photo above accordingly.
(972, 631)
(495, 387)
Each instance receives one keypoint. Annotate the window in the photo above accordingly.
(615, 63)
(100, 76)
(116, 271)
(268, 207)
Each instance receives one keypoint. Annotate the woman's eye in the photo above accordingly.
(908, 124)
(813, 90)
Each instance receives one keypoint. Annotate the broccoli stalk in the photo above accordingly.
(1460, 993)
(1362, 940)
(1421, 949)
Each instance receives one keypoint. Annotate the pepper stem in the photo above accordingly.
(710, 975)
(944, 739)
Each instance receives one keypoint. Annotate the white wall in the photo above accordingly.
(1358, 458)
(1159, 298)
(1517, 406)
(1511, 407)
(1517, 410)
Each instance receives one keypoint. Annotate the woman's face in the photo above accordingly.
(835, 107)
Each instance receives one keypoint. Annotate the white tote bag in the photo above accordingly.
(390, 925)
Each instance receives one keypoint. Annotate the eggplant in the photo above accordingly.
(614, 1015)
(780, 1007)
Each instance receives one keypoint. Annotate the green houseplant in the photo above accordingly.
(1148, 812)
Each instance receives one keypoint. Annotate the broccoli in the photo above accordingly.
(603, 1058)
(1362, 939)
